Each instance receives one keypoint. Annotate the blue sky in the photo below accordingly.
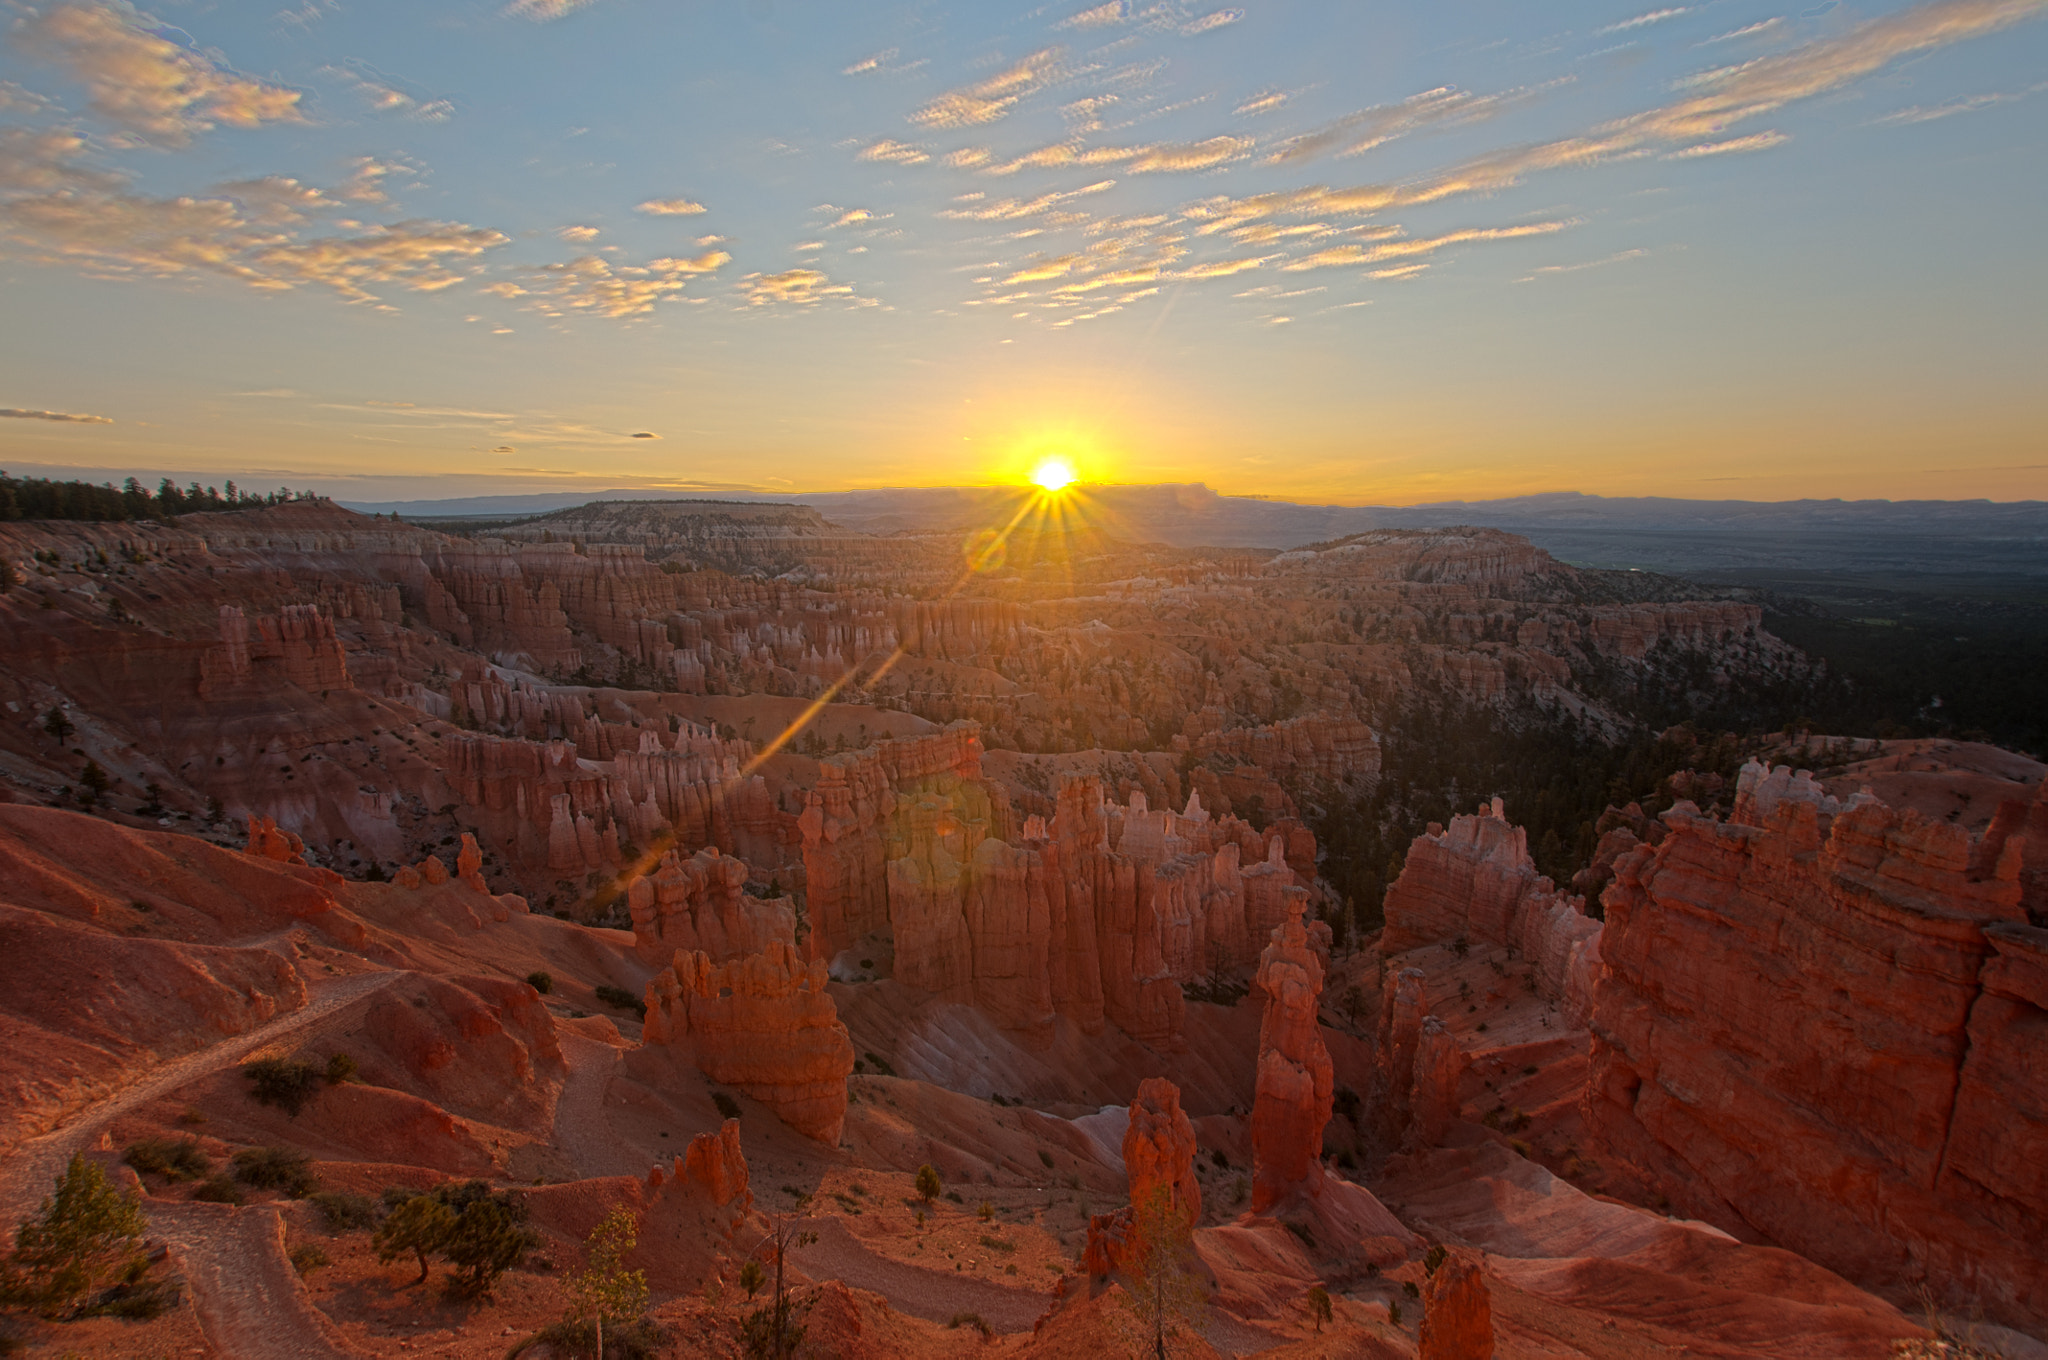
(1355, 252)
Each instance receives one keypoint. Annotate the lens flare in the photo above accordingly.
(1054, 474)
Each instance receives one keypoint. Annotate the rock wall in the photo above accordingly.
(700, 904)
(1827, 1029)
(763, 1023)
(1475, 881)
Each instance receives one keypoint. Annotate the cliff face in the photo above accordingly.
(1825, 1026)
(763, 1023)
(700, 904)
(1475, 881)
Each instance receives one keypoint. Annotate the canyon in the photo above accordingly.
(791, 860)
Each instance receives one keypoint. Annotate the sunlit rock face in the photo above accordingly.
(1295, 1083)
(1823, 1023)
(763, 1023)
(1159, 1159)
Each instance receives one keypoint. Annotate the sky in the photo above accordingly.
(1354, 253)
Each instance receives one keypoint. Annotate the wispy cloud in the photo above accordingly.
(1736, 94)
(545, 10)
(868, 64)
(1550, 269)
(895, 153)
(1747, 31)
(1150, 159)
(61, 417)
(383, 95)
(798, 286)
(1209, 23)
(1368, 128)
(147, 83)
(1016, 209)
(1655, 16)
(987, 100)
(1261, 103)
(1760, 141)
(1410, 247)
(1101, 16)
(1929, 113)
(593, 285)
(421, 256)
(670, 207)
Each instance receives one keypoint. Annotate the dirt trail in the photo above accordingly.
(921, 1292)
(251, 1301)
(581, 1128)
(27, 1174)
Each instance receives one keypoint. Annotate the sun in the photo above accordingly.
(1053, 474)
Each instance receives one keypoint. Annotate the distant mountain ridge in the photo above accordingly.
(1655, 532)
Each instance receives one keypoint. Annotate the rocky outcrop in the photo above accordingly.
(1340, 749)
(1457, 1314)
(1295, 1082)
(1816, 1028)
(763, 1023)
(1475, 881)
(715, 1167)
(296, 646)
(1159, 1159)
(700, 903)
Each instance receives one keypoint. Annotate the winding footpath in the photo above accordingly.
(251, 1302)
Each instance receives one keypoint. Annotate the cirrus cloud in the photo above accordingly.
(61, 417)
(145, 82)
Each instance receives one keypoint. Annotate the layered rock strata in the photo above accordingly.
(1826, 1029)
(763, 1023)
(1475, 881)
(700, 903)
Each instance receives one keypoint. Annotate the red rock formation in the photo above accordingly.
(1159, 1160)
(763, 1023)
(715, 1167)
(700, 904)
(1295, 1084)
(297, 646)
(1476, 881)
(1457, 1315)
(1340, 749)
(1811, 1028)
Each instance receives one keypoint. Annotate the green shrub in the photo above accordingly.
(479, 1232)
(341, 1068)
(540, 982)
(880, 1066)
(286, 1170)
(307, 1258)
(175, 1159)
(640, 1340)
(86, 1241)
(218, 1190)
(927, 1182)
(621, 998)
(727, 1106)
(974, 1320)
(342, 1211)
(287, 1085)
